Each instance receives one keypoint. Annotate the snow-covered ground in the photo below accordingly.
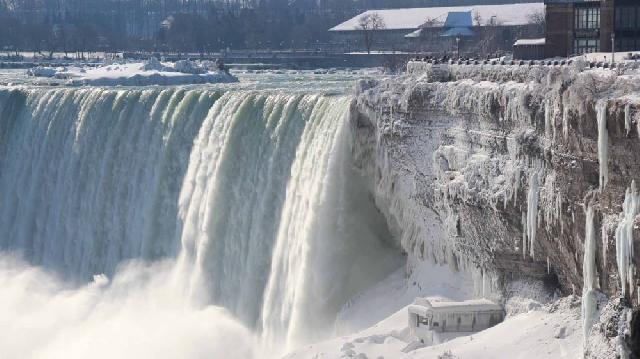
(150, 72)
(622, 56)
(550, 331)
(375, 324)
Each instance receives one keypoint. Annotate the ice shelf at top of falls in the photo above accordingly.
(624, 239)
(603, 142)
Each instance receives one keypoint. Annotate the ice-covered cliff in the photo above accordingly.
(493, 170)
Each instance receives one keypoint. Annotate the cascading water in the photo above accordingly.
(252, 193)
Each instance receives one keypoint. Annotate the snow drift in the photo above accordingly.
(150, 72)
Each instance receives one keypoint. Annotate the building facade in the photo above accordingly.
(575, 27)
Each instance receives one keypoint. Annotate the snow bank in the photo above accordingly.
(551, 331)
(150, 72)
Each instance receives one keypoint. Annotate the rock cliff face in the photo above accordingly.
(492, 169)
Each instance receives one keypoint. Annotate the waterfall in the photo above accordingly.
(90, 177)
(251, 194)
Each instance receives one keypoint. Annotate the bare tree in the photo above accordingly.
(537, 19)
(368, 24)
(477, 19)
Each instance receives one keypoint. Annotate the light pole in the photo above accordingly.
(613, 47)
(458, 46)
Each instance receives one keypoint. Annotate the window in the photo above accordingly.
(626, 18)
(585, 46)
(626, 44)
(587, 18)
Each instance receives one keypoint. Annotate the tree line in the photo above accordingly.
(80, 26)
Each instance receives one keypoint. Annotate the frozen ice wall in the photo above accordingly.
(488, 167)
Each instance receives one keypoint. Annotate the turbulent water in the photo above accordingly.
(238, 199)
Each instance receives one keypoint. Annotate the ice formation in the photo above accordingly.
(627, 118)
(565, 122)
(589, 276)
(532, 212)
(624, 240)
(603, 142)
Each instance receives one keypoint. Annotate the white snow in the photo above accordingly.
(624, 239)
(413, 18)
(551, 331)
(150, 72)
(529, 42)
(622, 56)
(398, 291)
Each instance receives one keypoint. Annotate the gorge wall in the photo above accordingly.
(493, 169)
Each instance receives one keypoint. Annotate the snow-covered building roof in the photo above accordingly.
(413, 18)
(423, 305)
(530, 42)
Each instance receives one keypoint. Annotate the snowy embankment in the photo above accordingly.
(150, 72)
(551, 331)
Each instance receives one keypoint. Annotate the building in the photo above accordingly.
(575, 27)
(529, 49)
(435, 29)
(434, 322)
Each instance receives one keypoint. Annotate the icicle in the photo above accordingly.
(548, 266)
(624, 238)
(532, 211)
(603, 142)
(627, 118)
(524, 235)
(516, 186)
(565, 122)
(547, 118)
(589, 278)
(589, 262)
(604, 246)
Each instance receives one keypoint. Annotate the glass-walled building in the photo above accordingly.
(575, 27)
(627, 25)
